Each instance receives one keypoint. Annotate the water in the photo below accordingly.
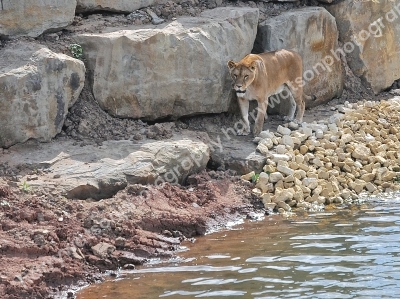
(349, 253)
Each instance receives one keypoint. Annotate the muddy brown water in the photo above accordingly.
(342, 253)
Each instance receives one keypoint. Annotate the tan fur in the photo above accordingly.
(264, 75)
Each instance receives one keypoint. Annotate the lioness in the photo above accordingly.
(257, 77)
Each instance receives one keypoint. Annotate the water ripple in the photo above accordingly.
(328, 255)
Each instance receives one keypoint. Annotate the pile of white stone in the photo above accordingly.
(355, 151)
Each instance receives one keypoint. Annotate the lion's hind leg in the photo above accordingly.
(298, 102)
(291, 103)
(300, 107)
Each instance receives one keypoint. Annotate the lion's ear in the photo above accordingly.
(231, 64)
(253, 65)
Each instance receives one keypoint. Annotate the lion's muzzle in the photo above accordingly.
(240, 92)
(238, 89)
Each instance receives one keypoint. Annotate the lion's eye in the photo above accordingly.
(246, 77)
(234, 76)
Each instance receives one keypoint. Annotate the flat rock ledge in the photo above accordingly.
(354, 152)
(100, 172)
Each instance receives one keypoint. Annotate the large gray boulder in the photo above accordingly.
(170, 70)
(370, 33)
(116, 6)
(33, 17)
(37, 86)
(100, 172)
(312, 33)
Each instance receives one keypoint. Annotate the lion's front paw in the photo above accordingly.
(287, 118)
(257, 131)
(298, 121)
(243, 132)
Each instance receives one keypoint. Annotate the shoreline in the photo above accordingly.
(269, 223)
(51, 244)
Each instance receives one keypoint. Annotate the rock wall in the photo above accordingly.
(370, 33)
(37, 86)
(312, 33)
(124, 6)
(32, 17)
(179, 68)
(173, 70)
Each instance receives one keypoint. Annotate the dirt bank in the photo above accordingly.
(48, 245)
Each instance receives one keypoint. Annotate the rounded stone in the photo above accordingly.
(319, 134)
(280, 149)
(275, 177)
(283, 131)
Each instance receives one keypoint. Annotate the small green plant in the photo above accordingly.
(396, 179)
(76, 51)
(254, 178)
(25, 187)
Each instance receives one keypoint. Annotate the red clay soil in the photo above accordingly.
(46, 246)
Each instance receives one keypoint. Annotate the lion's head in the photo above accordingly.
(242, 74)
